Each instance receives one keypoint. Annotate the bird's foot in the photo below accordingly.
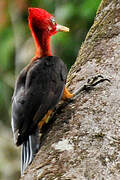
(91, 83)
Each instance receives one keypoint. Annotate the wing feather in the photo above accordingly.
(40, 91)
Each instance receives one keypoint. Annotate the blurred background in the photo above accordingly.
(17, 49)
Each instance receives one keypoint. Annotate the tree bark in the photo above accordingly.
(83, 142)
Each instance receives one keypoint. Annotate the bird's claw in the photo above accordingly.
(93, 79)
(92, 82)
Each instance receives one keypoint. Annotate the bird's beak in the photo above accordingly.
(62, 28)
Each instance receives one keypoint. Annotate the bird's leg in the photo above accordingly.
(45, 119)
(87, 87)
(67, 94)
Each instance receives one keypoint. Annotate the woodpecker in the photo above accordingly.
(39, 86)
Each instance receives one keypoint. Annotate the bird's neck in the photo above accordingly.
(42, 43)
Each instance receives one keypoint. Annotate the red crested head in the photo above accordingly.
(43, 25)
(43, 20)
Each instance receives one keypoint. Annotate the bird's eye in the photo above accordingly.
(53, 21)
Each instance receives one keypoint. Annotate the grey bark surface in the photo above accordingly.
(83, 143)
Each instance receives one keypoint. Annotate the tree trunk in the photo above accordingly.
(83, 143)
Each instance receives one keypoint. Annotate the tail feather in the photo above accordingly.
(29, 150)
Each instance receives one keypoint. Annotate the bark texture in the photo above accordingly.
(83, 143)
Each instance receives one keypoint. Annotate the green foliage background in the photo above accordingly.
(78, 15)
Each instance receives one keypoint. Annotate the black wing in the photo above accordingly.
(38, 90)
